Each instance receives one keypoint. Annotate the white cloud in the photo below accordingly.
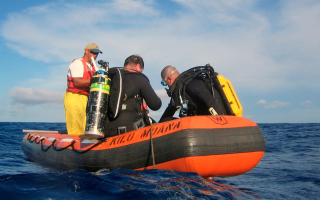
(134, 8)
(221, 12)
(261, 102)
(34, 96)
(54, 29)
(277, 104)
(237, 39)
(306, 103)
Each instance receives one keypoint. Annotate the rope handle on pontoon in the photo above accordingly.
(29, 137)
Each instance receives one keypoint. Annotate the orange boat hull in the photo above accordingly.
(213, 146)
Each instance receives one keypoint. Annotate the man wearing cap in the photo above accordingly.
(78, 88)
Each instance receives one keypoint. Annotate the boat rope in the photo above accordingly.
(71, 144)
(48, 146)
(29, 137)
(152, 150)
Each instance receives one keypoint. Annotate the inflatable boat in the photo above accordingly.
(212, 146)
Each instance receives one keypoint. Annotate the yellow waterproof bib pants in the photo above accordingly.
(75, 111)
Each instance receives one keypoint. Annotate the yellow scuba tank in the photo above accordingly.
(231, 95)
(97, 105)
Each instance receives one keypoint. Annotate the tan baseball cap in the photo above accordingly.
(93, 47)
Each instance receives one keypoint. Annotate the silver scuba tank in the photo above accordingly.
(97, 105)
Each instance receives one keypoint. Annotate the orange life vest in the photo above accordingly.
(87, 74)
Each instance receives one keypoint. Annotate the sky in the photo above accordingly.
(268, 50)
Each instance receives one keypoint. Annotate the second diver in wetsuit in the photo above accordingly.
(137, 89)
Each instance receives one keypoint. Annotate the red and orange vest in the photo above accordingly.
(87, 74)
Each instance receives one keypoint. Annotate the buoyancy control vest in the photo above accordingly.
(119, 102)
(118, 99)
(207, 74)
(116, 92)
(87, 74)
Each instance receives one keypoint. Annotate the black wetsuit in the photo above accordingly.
(199, 96)
(134, 83)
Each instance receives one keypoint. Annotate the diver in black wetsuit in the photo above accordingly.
(200, 100)
(136, 88)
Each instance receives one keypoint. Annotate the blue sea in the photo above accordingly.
(290, 169)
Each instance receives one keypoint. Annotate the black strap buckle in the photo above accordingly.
(122, 129)
(139, 124)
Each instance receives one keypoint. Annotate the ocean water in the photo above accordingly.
(290, 169)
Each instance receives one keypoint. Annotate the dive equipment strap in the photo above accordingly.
(136, 125)
(123, 129)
